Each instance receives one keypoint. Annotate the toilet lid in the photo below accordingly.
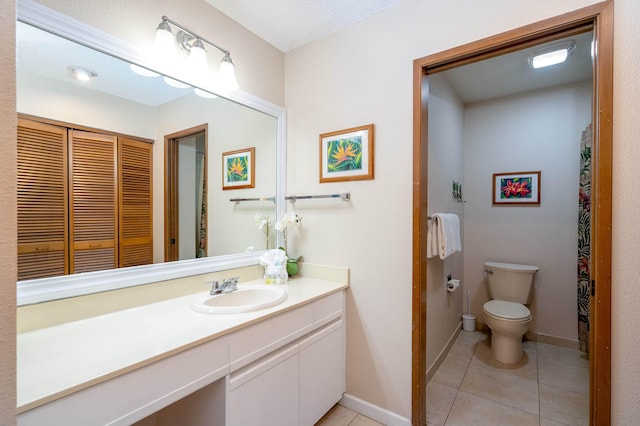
(508, 310)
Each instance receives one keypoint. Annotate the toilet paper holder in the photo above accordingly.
(452, 285)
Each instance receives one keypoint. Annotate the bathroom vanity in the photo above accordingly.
(156, 363)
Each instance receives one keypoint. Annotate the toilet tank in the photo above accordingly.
(510, 282)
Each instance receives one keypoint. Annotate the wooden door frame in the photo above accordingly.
(600, 16)
(171, 173)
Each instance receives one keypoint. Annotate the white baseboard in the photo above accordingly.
(443, 353)
(374, 412)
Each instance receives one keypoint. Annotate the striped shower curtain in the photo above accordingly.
(584, 239)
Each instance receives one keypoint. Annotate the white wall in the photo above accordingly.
(445, 165)
(8, 217)
(538, 130)
(364, 75)
(626, 229)
(57, 100)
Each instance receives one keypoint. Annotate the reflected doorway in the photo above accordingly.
(186, 194)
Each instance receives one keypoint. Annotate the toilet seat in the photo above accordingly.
(509, 311)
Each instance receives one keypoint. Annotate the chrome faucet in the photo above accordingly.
(228, 285)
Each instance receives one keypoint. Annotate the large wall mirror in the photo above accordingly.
(124, 102)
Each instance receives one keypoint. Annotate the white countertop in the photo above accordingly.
(56, 361)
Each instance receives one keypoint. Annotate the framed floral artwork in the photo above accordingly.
(347, 154)
(238, 169)
(516, 188)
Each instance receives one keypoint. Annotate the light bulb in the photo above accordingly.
(164, 46)
(197, 61)
(227, 74)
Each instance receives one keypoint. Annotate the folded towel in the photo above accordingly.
(446, 235)
(432, 238)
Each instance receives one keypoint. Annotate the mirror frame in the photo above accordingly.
(46, 289)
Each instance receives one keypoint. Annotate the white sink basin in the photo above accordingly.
(247, 298)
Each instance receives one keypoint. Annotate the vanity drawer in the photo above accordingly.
(251, 343)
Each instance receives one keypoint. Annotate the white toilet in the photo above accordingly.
(510, 288)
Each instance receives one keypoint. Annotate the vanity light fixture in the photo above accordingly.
(193, 44)
(552, 54)
(81, 73)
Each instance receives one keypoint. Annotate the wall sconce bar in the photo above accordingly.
(345, 196)
(196, 36)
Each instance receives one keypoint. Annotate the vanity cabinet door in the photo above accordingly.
(265, 392)
(322, 371)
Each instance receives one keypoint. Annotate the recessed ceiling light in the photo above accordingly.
(81, 73)
(552, 54)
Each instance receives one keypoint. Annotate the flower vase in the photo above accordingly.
(292, 268)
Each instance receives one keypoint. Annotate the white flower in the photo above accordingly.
(261, 220)
(288, 220)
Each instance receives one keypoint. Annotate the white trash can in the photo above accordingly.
(468, 322)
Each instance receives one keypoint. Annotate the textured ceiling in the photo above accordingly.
(287, 24)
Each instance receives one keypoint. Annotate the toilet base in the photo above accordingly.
(506, 349)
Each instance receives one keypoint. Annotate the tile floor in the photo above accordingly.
(548, 387)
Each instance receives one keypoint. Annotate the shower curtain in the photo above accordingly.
(584, 239)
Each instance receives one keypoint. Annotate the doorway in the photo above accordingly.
(186, 194)
(599, 19)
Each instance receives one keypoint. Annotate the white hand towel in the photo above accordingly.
(448, 234)
(432, 238)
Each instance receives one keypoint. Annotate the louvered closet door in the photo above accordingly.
(42, 200)
(93, 201)
(136, 222)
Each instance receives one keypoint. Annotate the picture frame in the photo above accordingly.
(347, 154)
(238, 169)
(516, 188)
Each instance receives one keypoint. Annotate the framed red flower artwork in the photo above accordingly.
(516, 188)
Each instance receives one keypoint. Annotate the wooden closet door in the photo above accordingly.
(135, 207)
(93, 201)
(42, 200)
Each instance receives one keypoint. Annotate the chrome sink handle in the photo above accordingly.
(227, 286)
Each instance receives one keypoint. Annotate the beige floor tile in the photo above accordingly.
(337, 416)
(563, 406)
(563, 375)
(361, 420)
(526, 368)
(548, 422)
(451, 372)
(562, 355)
(471, 410)
(439, 401)
(465, 345)
(501, 386)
